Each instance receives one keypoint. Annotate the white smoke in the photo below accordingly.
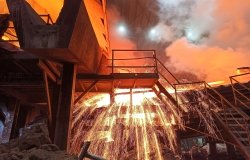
(219, 27)
(180, 18)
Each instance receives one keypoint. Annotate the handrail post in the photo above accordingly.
(233, 89)
(155, 59)
(112, 61)
(51, 20)
(48, 19)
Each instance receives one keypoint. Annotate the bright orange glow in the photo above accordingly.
(10, 34)
(188, 87)
(96, 13)
(5, 38)
(40, 6)
(238, 72)
(52, 7)
(208, 63)
(123, 99)
(3, 7)
(243, 77)
(216, 83)
(137, 98)
(104, 101)
(243, 70)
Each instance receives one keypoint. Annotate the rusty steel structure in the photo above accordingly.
(55, 69)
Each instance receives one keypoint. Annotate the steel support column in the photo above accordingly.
(64, 114)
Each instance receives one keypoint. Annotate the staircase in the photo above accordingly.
(236, 124)
(229, 117)
(237, 130)
(232, 120)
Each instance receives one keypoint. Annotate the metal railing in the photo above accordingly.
(240, 90)
(227, 111)
(167, 78)
(165, 73)
(178, 87)
(133, 61)
(184, 88)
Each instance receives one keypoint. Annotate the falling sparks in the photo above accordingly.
(120, 128)
(138, 125)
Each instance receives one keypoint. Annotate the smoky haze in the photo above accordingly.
(209, 38)
(204, 40)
